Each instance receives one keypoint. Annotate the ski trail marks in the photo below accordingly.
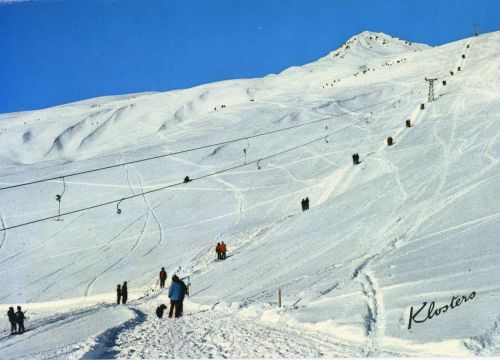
(374, 310)
(139, 238)
(150, 210)
(330, 183)
(375, 313)
(369, 284)
(135, 245)
(487, 343)
(240, 207)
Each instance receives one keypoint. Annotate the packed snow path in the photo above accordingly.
(223, 333)
(134, 331)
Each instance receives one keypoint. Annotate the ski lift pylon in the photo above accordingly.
(59, 200)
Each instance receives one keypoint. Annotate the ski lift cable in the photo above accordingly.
(182, 182)
(193, 179)
(201, 147)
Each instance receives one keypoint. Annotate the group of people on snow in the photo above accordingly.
(176, 293)
(122, 293)
(221, 249)
(355, 159)
(16, 320)
(305, 204)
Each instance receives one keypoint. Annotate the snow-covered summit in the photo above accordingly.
(375, 44)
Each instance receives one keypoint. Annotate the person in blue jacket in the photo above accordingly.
(175, 295)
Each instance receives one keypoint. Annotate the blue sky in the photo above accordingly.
(55, 52)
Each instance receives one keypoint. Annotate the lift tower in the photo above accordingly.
(430, 98)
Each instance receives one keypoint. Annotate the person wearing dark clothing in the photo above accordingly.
(355, 159)
(163, 277)
(20, 320)
(118, 293)
(187, 179)
(303, 204)
(160, 309)
(306, 203)
(223, 251)
(184, 292)
(124, 293)
(12, 318)
(217, 250)
(175, 295)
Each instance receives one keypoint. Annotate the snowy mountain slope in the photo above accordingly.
(416, 222)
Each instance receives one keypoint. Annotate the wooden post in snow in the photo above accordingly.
(59, 210)
(279, 297)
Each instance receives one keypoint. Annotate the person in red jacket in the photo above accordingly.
(223, 249)
(163, 277)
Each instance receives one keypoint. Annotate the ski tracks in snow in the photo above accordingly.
(375, 311)
(136, 244)
(150, 210)
(374, 318)
(240, 207)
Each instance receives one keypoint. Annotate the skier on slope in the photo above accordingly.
(12, 318)
(20, 320)
(124, 293)
(118, 293)
(184, 292)
(163, 277)
(223, 249)
(355, 159)
(217, 250)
